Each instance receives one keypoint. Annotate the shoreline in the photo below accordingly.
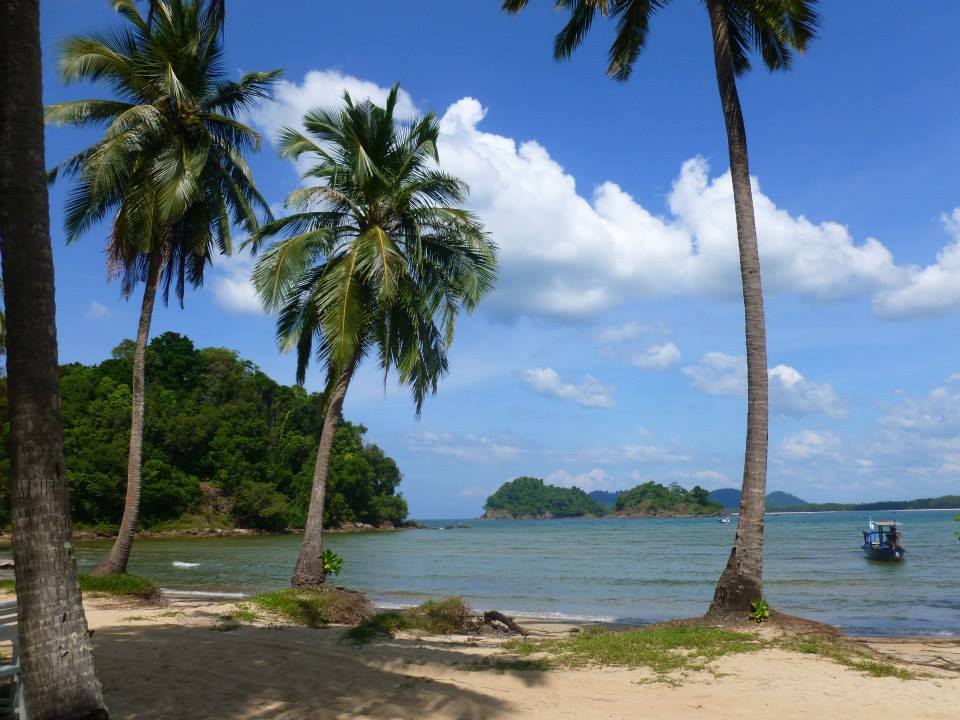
(223, 597)
(208, 532)
(152, 659)
(731, 513)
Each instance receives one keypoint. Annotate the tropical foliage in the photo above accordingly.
(377, 256)
(169, 169)
(651, 498)
(531, 497)
(224, 446)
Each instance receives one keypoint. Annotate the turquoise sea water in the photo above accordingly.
(635, 570)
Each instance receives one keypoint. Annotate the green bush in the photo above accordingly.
(316, 608)
(258, 505)
(434, 617)
(212, 420)
(130, 585)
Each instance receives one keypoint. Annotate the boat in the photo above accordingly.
(883, 541)
(725, 519)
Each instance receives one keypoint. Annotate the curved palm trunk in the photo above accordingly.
(116, 562)
(55, 651)
(742, 580)
(309, 569)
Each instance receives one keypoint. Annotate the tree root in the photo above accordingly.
(490, 617)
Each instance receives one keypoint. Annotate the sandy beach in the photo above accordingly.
(168, 662)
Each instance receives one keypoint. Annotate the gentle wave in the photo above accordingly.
(204, 593)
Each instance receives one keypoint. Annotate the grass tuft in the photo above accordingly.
(245, 614)
(8, 584)
(315, 608)
(663, 648)
(845, 654)
(127, 585)
(434, 617)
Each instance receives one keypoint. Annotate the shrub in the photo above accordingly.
(434, 617)
(316, 608)
(129, 585)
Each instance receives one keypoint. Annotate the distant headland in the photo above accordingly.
(532, 498)
(529, 497)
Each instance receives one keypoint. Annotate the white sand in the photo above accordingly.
(168, 663)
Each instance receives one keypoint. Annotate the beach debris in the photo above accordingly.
(490, 617)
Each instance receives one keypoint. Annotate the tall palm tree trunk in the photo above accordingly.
(742, 580)
(309, 569)
(55, 650)
(116, 562)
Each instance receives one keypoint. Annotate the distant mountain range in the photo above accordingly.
(778, 501)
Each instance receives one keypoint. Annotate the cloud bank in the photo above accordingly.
(568, 255)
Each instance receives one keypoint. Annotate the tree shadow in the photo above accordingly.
(190, 671)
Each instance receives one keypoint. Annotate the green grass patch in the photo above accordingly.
(245, 614)
(845, 654)
(315, 608)
(663, 649)
(434, 617)
(9, 584)
(127, 585)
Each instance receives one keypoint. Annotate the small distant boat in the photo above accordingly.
(883, 541)
(725, 520)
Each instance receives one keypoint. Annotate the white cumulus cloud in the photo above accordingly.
(657, 357)
(232, 287)
(932, 290)
(590, 393)
(596, 479)
(718, 373)
(619, 333)
(570, 254)
(808, 443)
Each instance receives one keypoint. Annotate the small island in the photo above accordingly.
(529, 497)
(532, 498)
(651, 499)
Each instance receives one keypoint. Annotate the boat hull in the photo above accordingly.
(883, 553)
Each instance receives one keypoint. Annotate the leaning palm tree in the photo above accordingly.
(378, 257)
(56, 654)
(169, 169)
(774, 28)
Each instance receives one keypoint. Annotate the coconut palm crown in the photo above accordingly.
(772, 28)
(377, 255)
(169, 170)
(775, 29)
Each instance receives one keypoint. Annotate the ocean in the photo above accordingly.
(636, 570)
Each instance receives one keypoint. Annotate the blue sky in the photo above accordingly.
(612, 350)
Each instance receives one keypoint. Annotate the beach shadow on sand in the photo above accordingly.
(172, 671)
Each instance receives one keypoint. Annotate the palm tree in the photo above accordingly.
(60, 679)
(170, 169)
(378, 256)
(774, 28)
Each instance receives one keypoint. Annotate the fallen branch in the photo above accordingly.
(495, 616)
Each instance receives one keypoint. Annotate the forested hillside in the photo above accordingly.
(224, 446)
(528, 497)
